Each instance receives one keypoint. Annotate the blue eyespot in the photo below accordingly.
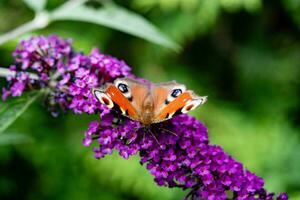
(123, 88)
(176, 92)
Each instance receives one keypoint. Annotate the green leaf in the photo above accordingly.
(11, 110)
(14, 138)
(114, 17)
(36, 5)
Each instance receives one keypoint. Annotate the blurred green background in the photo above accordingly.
(243, 54)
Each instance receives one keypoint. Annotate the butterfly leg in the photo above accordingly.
(144, 136)
(154, 137)
(169, 131)
(134, 132)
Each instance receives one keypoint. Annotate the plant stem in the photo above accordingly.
(4, 72)
(41, 20)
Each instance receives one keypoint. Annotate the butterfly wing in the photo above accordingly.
(124, 95)
(171, 99)
(148, 105)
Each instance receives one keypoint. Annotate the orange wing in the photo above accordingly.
(129, 102)
(122, 102)
(174, 106)
(167, 106)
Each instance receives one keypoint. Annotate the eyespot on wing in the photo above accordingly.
(103, 98)
(192, 104)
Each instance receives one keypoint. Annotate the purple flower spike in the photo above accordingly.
(93, 71)
(51, 63)
(176, 152)
(38, 55)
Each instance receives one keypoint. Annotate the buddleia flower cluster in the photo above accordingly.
(66, 76)
(176, 152)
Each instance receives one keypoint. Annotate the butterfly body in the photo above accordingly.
(147, 112)
(147, 103)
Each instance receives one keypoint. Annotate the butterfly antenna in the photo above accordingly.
(144, 135)
(149, 130)
(134, 132)
(164, 129)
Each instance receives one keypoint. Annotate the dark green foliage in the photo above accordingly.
(243, 54)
